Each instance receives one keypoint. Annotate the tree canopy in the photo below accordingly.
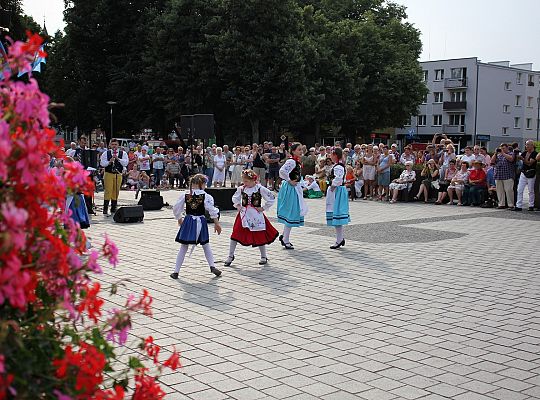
(300, 64)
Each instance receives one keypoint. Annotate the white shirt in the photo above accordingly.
(179, 207)
(314, 185)
(105, 162)
(267, 195)
(158, 160)
(339, 173)
(252, 218)
(144, 165)
(467, 158)
(220, 161)
(70, 152)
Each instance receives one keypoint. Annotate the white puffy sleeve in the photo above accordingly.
(103, 161)
(313, 186)
(125, 159)
(178, 208)
(209, 206)
(339, 173)
(268, 197)
(286, 169)
(237, 197)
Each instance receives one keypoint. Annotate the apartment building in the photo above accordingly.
(475, 102)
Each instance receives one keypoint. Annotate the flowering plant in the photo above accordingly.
(55, 341)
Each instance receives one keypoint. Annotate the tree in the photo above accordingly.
(13, 18)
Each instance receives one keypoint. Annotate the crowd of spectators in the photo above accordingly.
(378, 172)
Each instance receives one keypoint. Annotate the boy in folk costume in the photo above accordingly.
(337, 201)
(292, 207)
(251, 227)
(194, 228)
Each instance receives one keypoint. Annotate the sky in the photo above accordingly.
(492, 30)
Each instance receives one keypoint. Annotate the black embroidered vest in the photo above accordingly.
(333, 175)
(116, 166)
(296, 173)
(254, 200)
(195, 204)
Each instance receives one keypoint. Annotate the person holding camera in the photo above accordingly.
(527, 177)
(114, 161)
(504, 170)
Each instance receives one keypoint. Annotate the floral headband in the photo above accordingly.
(250, 174)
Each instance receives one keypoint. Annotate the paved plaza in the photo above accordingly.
(423, 302)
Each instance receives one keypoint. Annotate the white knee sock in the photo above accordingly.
(232, 248)
(286, 234)
(180, 257)
(339, 234)
(263, 251)
(208, 254)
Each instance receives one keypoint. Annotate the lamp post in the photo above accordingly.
(111, 103)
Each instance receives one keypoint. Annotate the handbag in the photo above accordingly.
(530, 173)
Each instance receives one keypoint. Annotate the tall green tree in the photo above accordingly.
(13, 18)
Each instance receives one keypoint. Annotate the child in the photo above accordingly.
(337, 204)
(312, 189)
(251, 227)
(194, 228)
(359, 183)
(349, 181)
(320, 171)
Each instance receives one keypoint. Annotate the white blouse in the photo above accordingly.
(339, 173)
(220, 161)
(286, 169)
(266, 194)
(179, 208)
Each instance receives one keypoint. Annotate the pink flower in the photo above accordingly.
(110, 251)
(120, 324)
(92, 263)
(2, 364)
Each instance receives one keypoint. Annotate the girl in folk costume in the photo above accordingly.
(194, 228)
(292, 207)
(311, 188)
(251, 227)
(337, 202)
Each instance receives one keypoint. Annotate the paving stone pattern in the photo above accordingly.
(423, 302)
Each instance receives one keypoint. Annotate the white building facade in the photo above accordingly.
(474, 102)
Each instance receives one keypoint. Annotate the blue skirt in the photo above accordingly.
(188, 231)
(288, 208)
(79, 213)
(340, 215)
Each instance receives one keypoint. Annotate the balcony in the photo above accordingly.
(453, 129)
(531, 83)
(455, 83)
(454, 105)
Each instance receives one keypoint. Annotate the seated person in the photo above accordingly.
(430, 174)
(405, 181)
(312, 189)
(359, 176)
(320, 172)
(133, 178)
(349, 181)
(491, 199)
(457, 184)
(444, 183)
(477, 182)
(144, 180)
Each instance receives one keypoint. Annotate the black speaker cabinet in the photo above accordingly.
(151, 200)
(203, 126)
(129, 214)
(222, 197)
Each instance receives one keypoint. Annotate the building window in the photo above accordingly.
(518, 101)
(424, 100)
(437, 120)
(507, 85)
(518, 78)
(421, 120)
(506, 109)
(456, 119)
(529, 123)
(439, 74)
(530, 80)
(458, 73)
(530, 101)
(438, 97)
(459, 96)
(426, 74)
(516, 122)
(505, 131)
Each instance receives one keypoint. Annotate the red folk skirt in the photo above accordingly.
(250, 238)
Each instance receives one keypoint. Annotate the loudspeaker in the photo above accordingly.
(203, 126)
(129, 214)
(150, 202)
(222, 197)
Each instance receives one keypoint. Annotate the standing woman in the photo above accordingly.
(238, 163)
(337, 199)
(383, 173)
(220, 164)
(292, 207)
(369, 172)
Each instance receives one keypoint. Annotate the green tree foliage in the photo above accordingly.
(13, 18)
(351, 64)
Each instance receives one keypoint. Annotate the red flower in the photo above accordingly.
(173, 362)
(117, 394)
(5, 386)
(143, 304)
(147, 388)
(91, 302)
(152, 349)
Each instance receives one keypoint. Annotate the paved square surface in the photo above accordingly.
(423, 302)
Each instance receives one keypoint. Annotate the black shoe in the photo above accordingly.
(174, 275)
(531, 208)
(281, 240)
(289, 246)
(515, 209)
(215, 271)
(229, 261)
(263, 261)
(338, 245)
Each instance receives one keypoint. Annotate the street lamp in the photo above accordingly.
(111, 103)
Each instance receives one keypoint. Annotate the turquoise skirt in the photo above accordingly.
(340, 214)
(288, 206)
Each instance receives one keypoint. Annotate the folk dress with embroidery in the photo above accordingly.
(292, 207)
(194, 229)
(337, 200)
(251, 227)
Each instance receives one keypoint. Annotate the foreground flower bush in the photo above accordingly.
(55, 340)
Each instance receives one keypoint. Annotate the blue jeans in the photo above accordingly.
(158, 175)
(209, 172)
(476, 194)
